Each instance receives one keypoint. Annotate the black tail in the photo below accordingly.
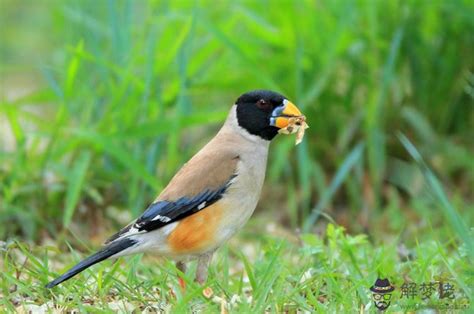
(106, 252)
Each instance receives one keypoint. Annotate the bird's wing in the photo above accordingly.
(200, 183)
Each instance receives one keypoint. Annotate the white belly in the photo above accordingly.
(242, 196)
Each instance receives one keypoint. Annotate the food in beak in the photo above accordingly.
(296, 125)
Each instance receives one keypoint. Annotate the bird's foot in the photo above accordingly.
(181, 266)
(182, 284)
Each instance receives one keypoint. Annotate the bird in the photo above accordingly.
(211, 197)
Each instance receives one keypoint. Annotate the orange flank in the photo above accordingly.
(196, 233)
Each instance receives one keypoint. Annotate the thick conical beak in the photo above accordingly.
(280, 116)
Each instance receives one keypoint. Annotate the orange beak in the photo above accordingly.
(281, 114)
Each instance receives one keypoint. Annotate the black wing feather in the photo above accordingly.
(162, 213)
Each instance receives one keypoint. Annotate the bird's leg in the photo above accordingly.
(202, 268)
(181, 267)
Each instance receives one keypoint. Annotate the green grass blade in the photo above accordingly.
(249, 271)
(75, 183)
(72, 69)
(351, 160)
(448, 210)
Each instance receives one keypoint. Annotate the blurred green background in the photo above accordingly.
(102, 102)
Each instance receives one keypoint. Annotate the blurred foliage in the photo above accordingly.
(102, 101)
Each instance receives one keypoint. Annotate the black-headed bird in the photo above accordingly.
(211, 197)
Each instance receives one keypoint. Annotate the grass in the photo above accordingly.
(101, 103)
(327, 273)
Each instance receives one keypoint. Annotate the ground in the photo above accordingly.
(273, 270)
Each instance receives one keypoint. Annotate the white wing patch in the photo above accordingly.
(201, 206)
(161, 218)
(133, 230)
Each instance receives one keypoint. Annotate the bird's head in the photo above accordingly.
(263, 113)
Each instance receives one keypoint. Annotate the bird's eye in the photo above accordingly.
(262, 104)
